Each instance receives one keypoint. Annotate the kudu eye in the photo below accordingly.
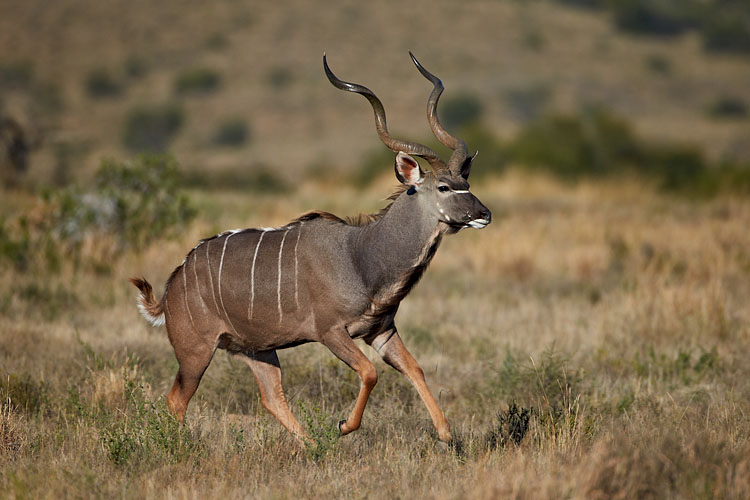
(443, 189)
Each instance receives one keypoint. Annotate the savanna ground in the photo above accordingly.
(590, 343)
(614, 317)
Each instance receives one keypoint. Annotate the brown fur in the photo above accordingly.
(150, 304)
(354, 274)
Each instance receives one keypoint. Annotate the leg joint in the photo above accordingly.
(369, 375)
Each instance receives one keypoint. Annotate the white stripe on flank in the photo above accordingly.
(296, 288)
(187, 306)
(252, 278)
(278, 285)
(166, 311)
(210, 275)
(221, 265)
(198, 286)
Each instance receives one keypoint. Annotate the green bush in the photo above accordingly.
(147, 433)
(197, 81)
(653, 17)
(375, 163)
(232, 132)
(492, 156)
(100, 83)
(727, 28)
(460, 110)
(728, 107)
(130, 205)
(323, 431)
(589, 4)
(152, 129)
(16, 74)
(595, 143)
(137, 201)
(724, 25)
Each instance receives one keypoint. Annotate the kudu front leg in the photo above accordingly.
(340, 344)
(389, 345)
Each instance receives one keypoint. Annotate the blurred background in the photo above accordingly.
(236, 91)
(587, 344)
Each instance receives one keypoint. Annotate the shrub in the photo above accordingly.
(232, 132)
(147, 433)
(324, 433)
(136, 201)
(101, 84)
(130, 205)
(728, 107)
(376, 163)
(16, 74)
(460, 110)
(723, 24)
(595, 143)
(676, 167)
(589, 4)
(492, 156)
(727, 28)
(664, 17)
(197, 81)
(510, 426)
(151, 129)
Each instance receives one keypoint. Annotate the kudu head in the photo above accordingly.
(443, 192)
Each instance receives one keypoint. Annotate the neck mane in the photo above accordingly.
(393, 250)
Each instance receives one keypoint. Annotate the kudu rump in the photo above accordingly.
(319, 279)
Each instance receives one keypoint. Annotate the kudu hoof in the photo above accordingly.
(341, 432)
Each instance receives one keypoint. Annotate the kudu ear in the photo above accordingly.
(407, 170)
(466, 166)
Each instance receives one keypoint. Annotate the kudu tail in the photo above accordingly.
(150, 308)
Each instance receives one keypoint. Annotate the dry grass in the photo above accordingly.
(480, 47)
(616, 316)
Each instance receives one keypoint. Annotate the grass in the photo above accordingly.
(585, 345)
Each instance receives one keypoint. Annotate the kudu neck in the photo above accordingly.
(395, 243)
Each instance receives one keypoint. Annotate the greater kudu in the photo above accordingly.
(319, 279)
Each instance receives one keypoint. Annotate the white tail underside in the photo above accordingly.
(154, 320)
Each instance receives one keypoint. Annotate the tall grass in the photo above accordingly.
(585, 345)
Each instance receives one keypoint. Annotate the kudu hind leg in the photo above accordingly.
(267, 371)
(192, 367)
(394, 352)
(340, 344)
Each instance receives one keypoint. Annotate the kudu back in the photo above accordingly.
(320, 278)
